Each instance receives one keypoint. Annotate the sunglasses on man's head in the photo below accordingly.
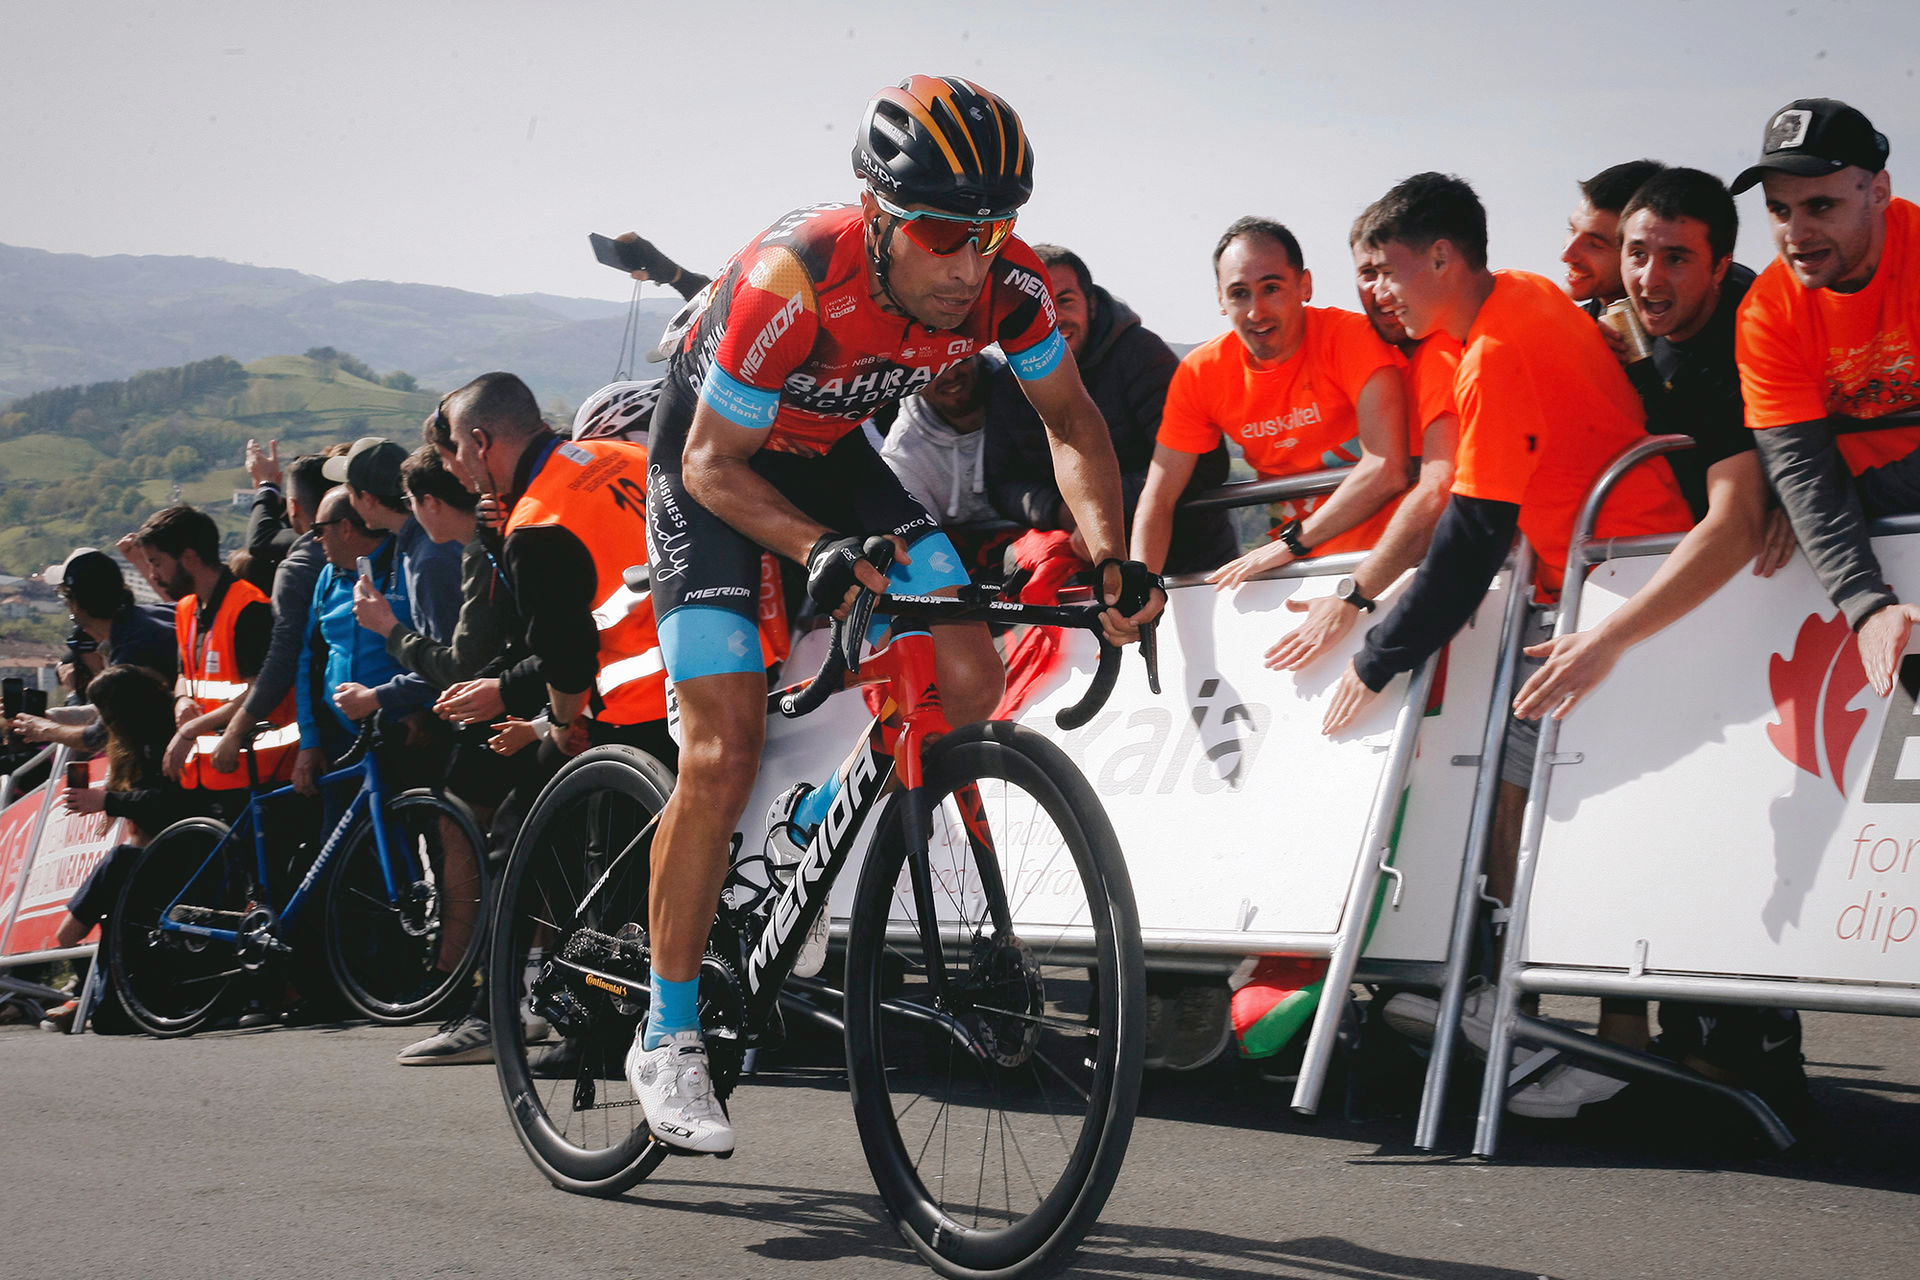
(944, 234)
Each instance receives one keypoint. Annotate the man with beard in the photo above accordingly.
(1592, 253)
(224, 626)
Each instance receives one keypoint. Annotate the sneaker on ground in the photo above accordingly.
(786, 845)
(1415, 1016)
(459, 1041)
(1561, 1093)
(60, 1017)
(675, 1089)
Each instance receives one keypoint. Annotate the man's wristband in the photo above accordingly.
(1289, 534)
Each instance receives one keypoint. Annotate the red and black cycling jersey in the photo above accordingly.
(791, 340)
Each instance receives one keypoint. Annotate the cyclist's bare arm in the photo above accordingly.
(1089, 478)
(1083, 463)
(714, 467)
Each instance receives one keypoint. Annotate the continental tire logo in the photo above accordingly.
(595, 980)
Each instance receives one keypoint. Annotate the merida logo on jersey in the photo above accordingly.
(1300, 416)
(1030, 284)
(782, 321)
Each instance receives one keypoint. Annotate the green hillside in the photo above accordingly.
(83, 465)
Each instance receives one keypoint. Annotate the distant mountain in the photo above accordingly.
(68, 319)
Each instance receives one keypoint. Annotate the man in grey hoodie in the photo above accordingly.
(935, 445)
(1126, 368)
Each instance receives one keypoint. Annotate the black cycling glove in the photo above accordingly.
(1137, 583)
(830, 570)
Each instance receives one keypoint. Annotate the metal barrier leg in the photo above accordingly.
(1446, 1031)
(1345, 955)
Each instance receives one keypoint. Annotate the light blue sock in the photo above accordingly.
(675, 1008)
(812, 809)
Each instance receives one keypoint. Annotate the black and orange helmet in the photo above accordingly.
(947, 143)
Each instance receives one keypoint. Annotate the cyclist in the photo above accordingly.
(827, 316)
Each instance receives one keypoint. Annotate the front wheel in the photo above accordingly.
(995, 1090)
(579, 871)
(404, 930)
(171, 981)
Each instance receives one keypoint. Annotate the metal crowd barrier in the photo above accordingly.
(1521, 975)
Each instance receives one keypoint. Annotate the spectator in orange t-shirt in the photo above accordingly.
(1300, 389)
(1827, 332)
(1433, 434)
(1543, 407)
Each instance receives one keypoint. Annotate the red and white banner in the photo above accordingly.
(1744, 803)
(70, 846)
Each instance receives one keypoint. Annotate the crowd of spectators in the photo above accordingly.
(1462, 404)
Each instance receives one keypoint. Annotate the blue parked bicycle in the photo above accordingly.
(403, 878)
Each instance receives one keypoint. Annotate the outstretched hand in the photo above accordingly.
(1575, 666)
(1267, 556)
(1328, 621)
(1882, 639)
(1351, 701)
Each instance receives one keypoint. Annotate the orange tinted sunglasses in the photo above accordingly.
(943, 234)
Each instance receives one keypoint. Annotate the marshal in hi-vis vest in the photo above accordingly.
(597, 491)
(210, 675)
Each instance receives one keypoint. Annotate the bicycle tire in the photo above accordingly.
(1054, 1008)
(584, 1130)
(171, 984)
(389, 958)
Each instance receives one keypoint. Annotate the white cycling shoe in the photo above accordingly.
(675, 1089)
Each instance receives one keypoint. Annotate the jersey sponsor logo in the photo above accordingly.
(575, 454)
(1293, 420)
(1033, 286)
(776, 327)
(708, 593)
(841, 306)
(960, 347)
(846, 397)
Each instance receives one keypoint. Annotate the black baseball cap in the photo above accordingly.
(87, 572)
(1811, 137)
(371, 466)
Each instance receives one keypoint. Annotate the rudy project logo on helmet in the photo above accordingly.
(1812, 693)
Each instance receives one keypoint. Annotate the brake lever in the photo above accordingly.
(1150, 653)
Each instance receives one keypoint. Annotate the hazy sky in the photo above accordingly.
(475, 144)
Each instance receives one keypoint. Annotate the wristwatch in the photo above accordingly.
(1290, 534)
(1349, 590)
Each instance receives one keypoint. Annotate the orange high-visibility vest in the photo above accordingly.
(597, 491)
(210, 674)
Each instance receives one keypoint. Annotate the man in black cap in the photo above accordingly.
(424, 573)
(117, 632)
(1827, 333)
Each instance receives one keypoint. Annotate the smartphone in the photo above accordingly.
(621, 255)
(79, 775)
(11, 691)
(366, 569)
(33, 701)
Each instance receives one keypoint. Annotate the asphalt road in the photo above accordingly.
(307, 1152)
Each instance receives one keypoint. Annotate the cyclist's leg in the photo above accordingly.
(706, 578)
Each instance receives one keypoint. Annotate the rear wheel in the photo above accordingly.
(172, 982)
(995, 1092)
(579, 872)
(399, 948)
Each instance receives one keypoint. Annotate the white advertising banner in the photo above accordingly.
(1235, 813)
(1744, 803)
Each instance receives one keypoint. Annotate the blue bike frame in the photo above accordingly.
(371, 797)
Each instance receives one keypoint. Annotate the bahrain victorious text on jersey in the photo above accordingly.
(790, 339)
